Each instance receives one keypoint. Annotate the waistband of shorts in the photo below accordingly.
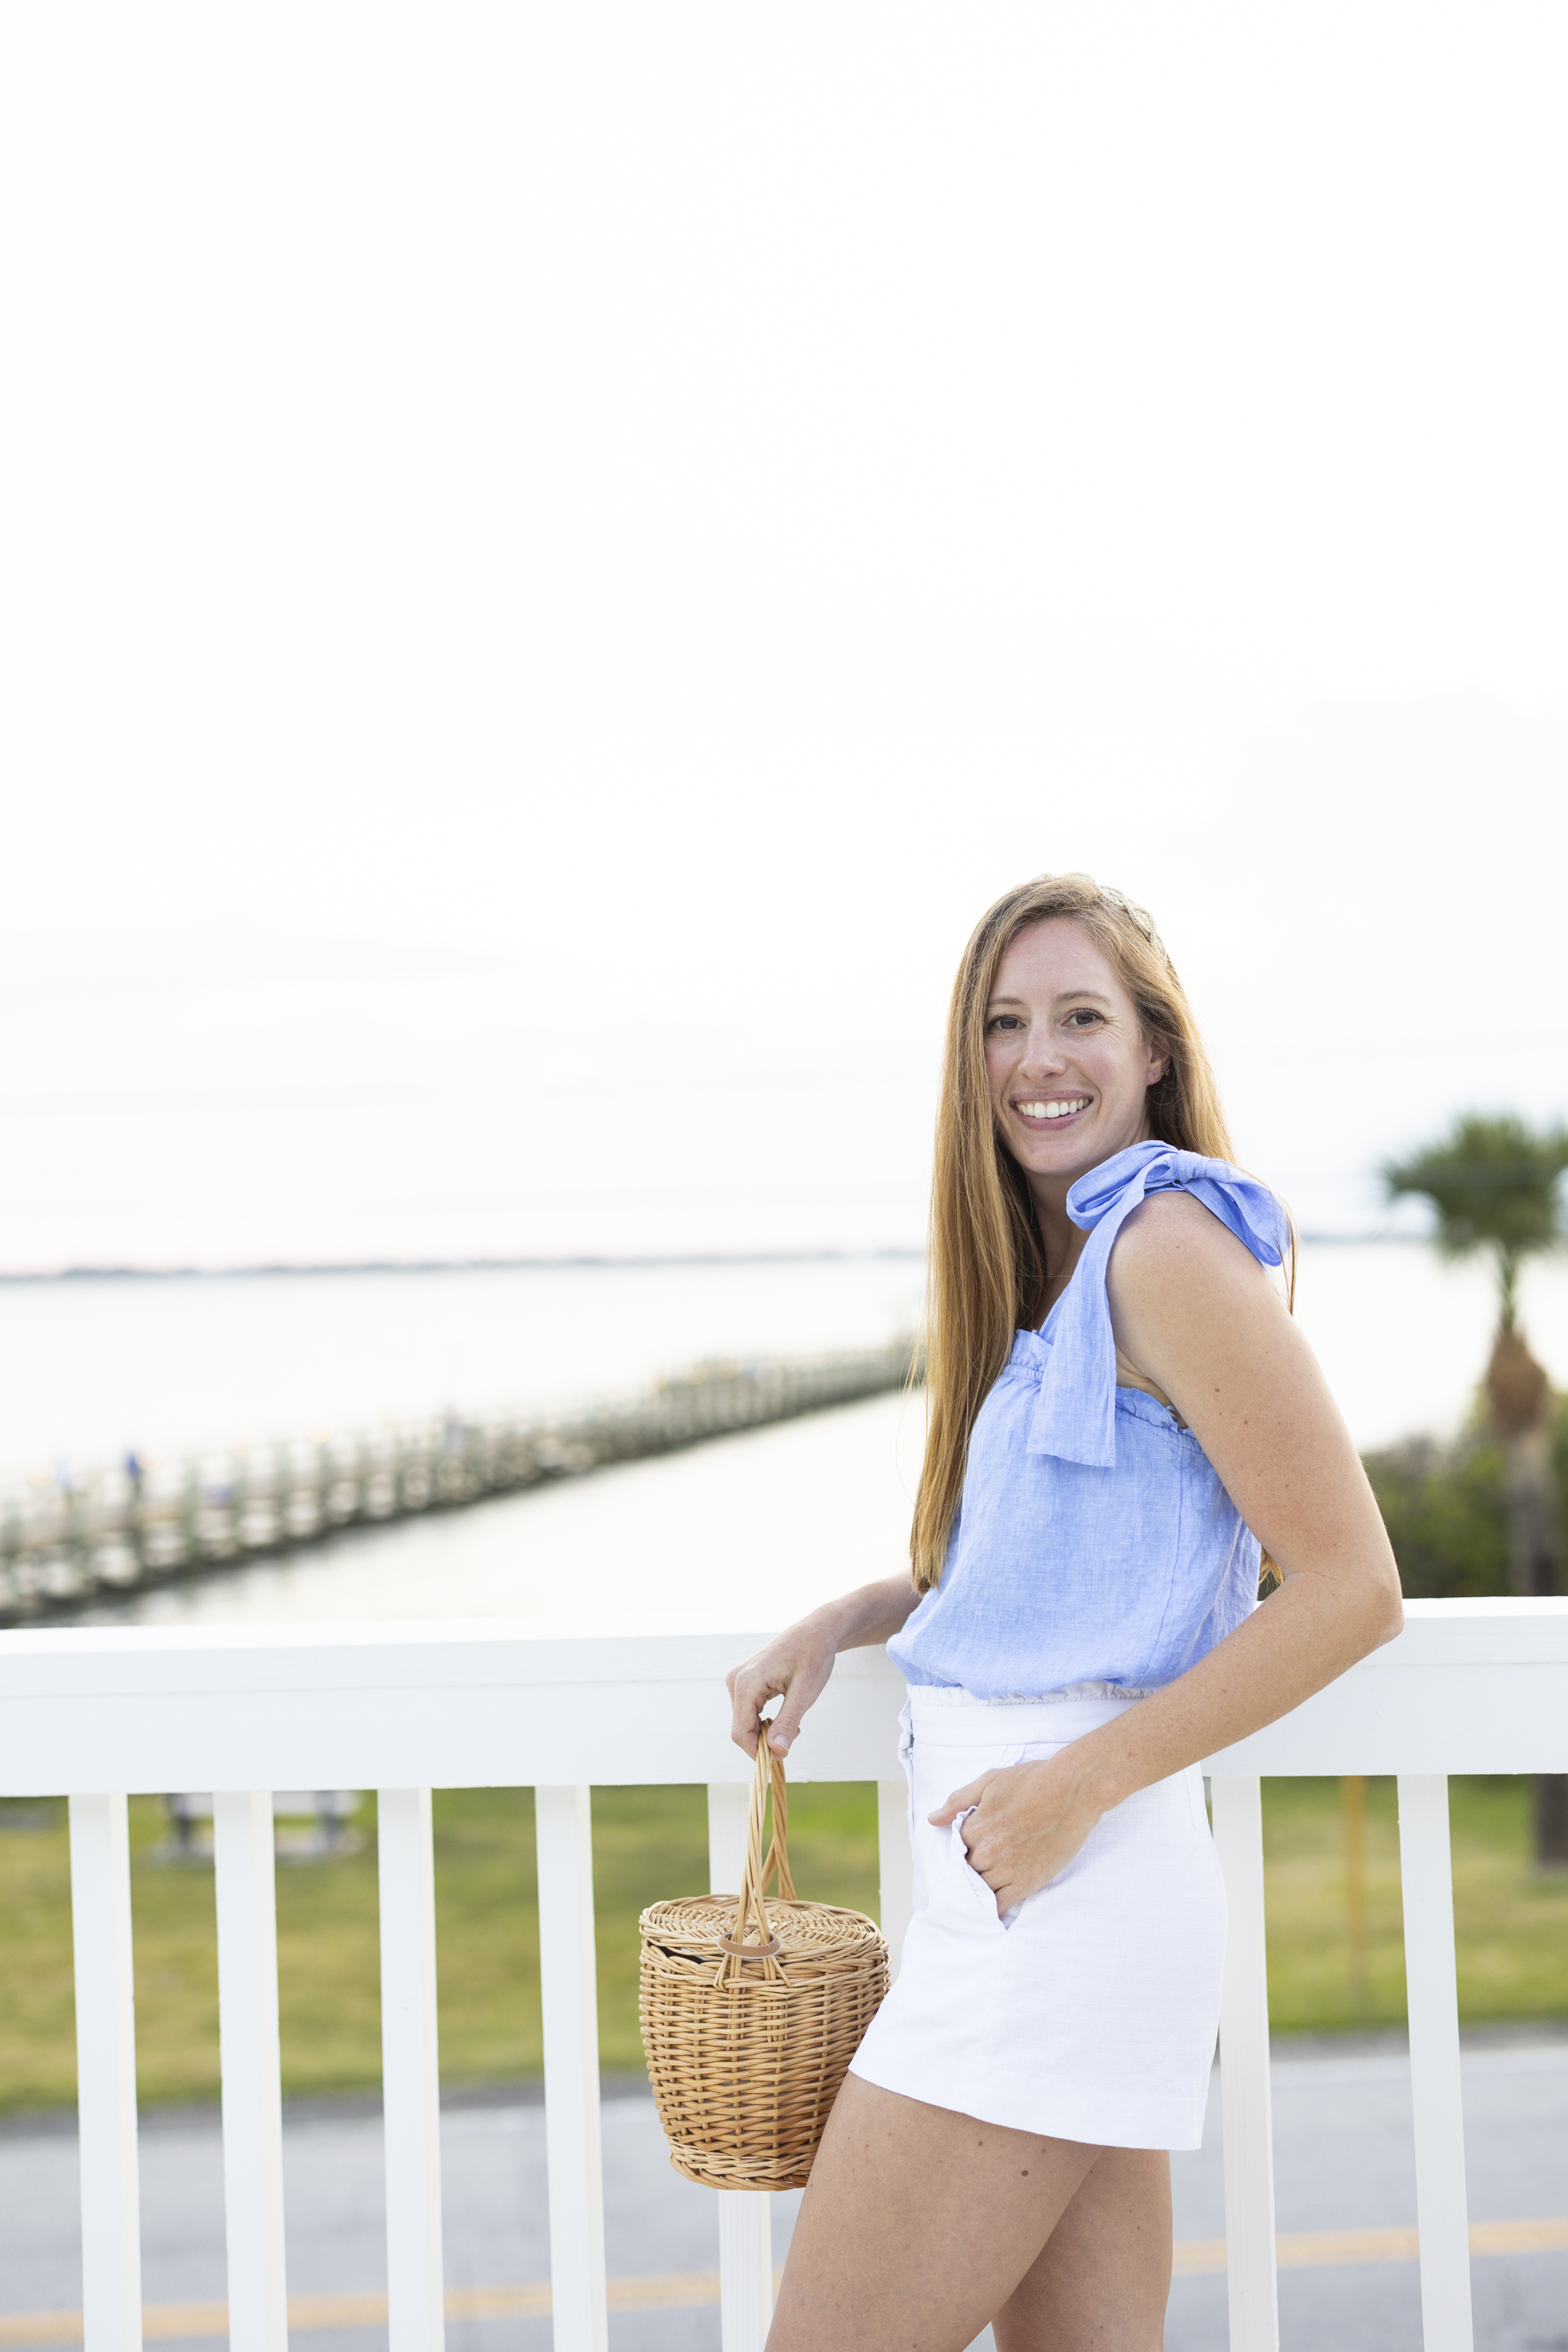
(946, 1717)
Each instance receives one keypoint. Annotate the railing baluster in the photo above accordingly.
(895, 1865)
(745, 2268)
(568, 1984)
(1426, 1875)
(746, 2215)
(727, 1804)
(411, 2097)
(252, 2096)
(1245, 2104)
(106, 2075)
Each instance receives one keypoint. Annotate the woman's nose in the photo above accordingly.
(1045, 1057)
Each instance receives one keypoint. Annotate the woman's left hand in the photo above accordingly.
(1028, 1822)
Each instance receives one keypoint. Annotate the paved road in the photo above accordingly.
(1343, 2135)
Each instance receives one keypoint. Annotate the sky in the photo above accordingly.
(554, 561)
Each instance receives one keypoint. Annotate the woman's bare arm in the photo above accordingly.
(796, 1664)
(1193, 1311)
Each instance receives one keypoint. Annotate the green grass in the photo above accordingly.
(1511, 1924)
(1512, 1930)
(647, 1843)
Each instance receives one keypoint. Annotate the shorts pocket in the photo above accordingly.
(969, 1877)
(977, 1886)
(907, 1756)
(938, 1771)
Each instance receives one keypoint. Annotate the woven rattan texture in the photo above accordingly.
(746, 2055)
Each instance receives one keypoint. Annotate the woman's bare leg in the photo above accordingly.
(1103, 2278)
(917, 2225)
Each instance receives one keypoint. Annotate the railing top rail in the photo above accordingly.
(542, 1644)
(1477, 1686)
(656, 1644)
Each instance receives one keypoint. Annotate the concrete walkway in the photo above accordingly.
(1344, 2162)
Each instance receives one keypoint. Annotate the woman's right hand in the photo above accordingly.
(795, 1665)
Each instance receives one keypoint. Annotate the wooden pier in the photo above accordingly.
(138, 1526)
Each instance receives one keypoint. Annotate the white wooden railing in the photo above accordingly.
(1471, 1686)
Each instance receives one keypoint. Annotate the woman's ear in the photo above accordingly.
(1159, 1060)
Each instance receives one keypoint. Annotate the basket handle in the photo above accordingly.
(750, 1911)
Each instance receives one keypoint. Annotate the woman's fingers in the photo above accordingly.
(794, 1671)
(749, 1691)
(798, 1688)
(1025, 1827)
(961, 1798)
(750, 1688)
(784, 1728)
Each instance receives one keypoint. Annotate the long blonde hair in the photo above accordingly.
(987, 1267)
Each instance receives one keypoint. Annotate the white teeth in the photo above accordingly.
(1054, 1109)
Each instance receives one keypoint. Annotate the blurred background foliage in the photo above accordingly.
(1446, 1508)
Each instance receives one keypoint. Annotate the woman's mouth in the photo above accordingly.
(1040, 1111)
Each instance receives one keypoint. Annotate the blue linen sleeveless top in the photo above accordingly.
(1094, 1542)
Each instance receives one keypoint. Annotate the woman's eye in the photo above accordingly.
(1083, 1018)
(1006, 1020)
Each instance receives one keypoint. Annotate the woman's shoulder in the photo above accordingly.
(1181, 1280)
(1171, 1234)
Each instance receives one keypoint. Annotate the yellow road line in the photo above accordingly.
(1312, 2250)
(164, 2323)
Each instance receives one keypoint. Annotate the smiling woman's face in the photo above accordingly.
(1068, 1066)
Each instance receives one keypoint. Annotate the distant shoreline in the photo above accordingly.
(575, 1263)
(900, 1253)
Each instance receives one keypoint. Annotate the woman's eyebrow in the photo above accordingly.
(1063, 996)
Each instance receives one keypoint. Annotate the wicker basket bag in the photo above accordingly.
(752, 2012)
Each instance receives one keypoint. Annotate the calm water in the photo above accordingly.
(766, 1522)
(90, 1366)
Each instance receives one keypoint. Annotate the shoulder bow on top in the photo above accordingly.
(1074, 1356)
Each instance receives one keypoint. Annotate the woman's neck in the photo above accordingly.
(1063, 1250)
(1061, 1241)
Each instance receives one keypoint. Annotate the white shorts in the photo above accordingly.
(1089, 2012)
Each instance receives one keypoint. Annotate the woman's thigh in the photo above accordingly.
(918, 2224)
(1102, 2280)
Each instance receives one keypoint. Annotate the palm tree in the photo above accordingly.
(1494, 1185)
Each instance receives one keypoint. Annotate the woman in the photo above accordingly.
(1119, 1408)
